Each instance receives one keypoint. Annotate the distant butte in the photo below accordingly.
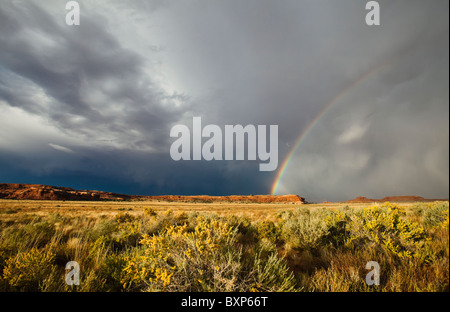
(46, 192)
(395, 199)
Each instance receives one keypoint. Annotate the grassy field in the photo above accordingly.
(162, 246)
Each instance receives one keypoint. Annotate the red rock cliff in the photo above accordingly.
(45, 192)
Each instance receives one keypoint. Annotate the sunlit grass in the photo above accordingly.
(153, 245)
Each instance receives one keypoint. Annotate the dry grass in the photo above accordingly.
(252, 211)
(286, 239)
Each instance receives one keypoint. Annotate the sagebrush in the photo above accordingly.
(302, 249)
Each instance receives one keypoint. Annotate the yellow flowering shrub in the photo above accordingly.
(128, 233)
(148, 211)
(175, 250)
(384, 226)
(337, 232)
(28, 270)
(124, 217)
(202, 257)
(268, 230)
(444, 223)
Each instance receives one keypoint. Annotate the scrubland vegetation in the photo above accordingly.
(290, 248)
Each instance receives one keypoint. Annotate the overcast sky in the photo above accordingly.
(91, 106)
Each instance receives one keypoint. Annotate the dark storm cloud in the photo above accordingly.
(110, 89)
(69, 64)
(389, 134)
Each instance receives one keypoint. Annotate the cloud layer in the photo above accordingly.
(91, 106)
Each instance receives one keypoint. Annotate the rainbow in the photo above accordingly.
(311, 125)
